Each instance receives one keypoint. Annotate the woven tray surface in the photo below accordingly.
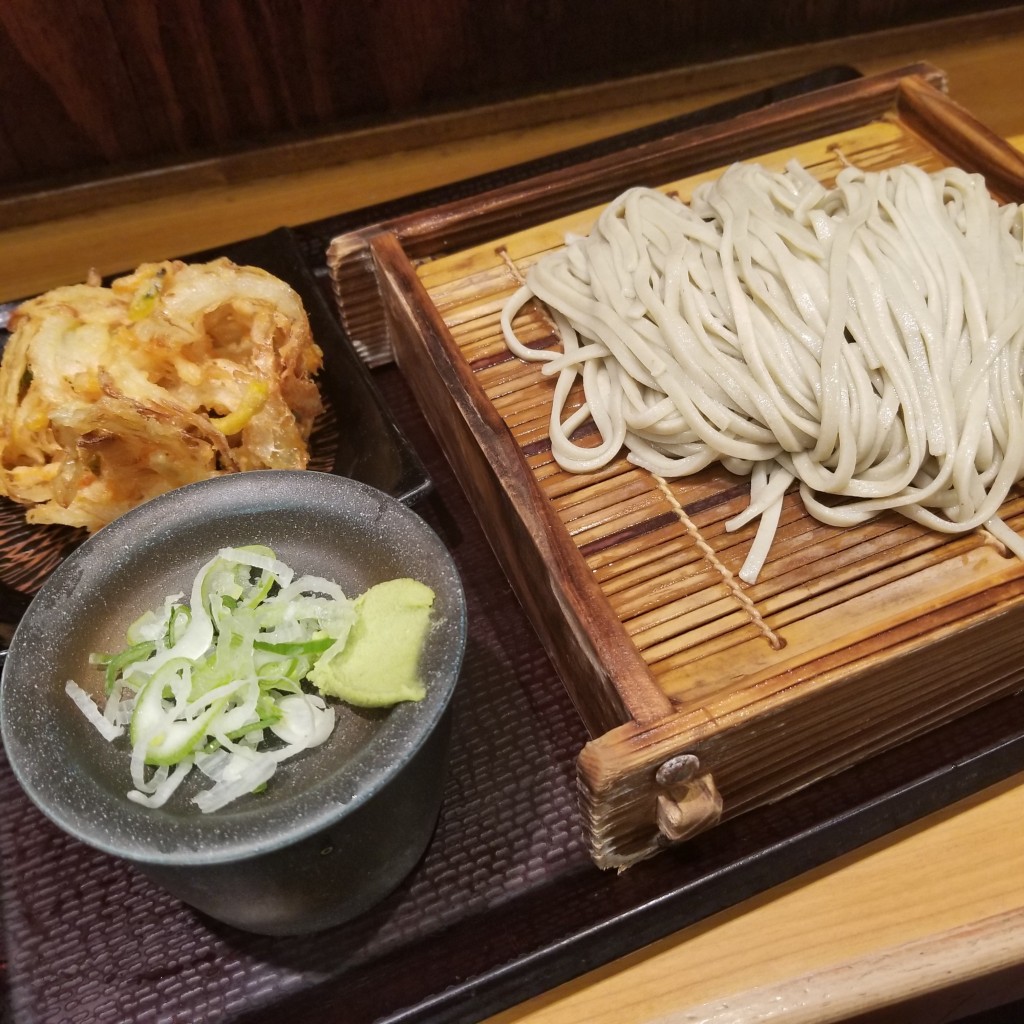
(91, 940)
(505, 902)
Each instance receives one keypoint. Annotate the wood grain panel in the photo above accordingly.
(60, 110)
(102, 84)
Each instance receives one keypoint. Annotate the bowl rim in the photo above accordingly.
(261, 829)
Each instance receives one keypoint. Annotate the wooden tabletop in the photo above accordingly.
(925, 925)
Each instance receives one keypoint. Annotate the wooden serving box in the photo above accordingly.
(703, 696)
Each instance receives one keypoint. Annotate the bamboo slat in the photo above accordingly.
(851, 640)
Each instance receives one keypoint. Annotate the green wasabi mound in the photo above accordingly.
(379, 663)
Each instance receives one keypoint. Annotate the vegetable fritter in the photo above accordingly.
(175, 373)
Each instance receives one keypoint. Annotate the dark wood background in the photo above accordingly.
(89, 88)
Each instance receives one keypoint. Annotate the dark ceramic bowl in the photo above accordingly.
(339, 826)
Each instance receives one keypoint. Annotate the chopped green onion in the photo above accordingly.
(296, 647)
(220, 682)
(117, 663)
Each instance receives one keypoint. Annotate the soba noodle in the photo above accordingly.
(864, 341)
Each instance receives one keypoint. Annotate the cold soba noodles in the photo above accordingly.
(863, 340)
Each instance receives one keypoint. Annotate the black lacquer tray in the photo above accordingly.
(506, 902)
(356, 436)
